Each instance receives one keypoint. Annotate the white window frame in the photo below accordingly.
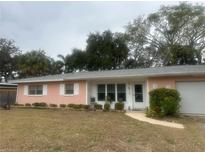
(143, 99)
(106, 95)
(116, 93)
(125, 91)
(73, 89)
(75, 92)
(105, 92)
(28, 89)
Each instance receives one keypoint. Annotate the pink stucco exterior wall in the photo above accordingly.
(53, 94)
(164, 82)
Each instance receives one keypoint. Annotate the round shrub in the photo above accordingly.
(16, 104)
(79, 106)
(62, 105)
(84, 106)
(150, 113)
(164, 102)
(107, 107)
(28, 104)
(74, 106)
(119, 106)
(41, 104)
(98, 106)
(70, 105)
(53, 105)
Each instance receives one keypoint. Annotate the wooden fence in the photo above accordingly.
(7, 97)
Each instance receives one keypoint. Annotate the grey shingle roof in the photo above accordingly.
(145, 72)
(7, 85)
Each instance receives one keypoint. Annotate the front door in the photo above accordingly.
(138, 96)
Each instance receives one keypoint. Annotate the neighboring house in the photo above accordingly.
(7, 93)
(130, 85)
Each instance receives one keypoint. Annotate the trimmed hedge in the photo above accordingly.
(28, 104)
(78, 106)
(53, 105)
(119, 106)
(16, 104)
(98, 106)
(86, 107)
(74, 106)
(71, 105)
(107, 107)
(63, 105)
(41, 104)
(163, 102)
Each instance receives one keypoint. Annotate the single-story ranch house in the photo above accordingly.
(129, 85)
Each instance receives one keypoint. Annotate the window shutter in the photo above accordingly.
(62, 89)
(45, 89)
(26, 90)
(76, 88)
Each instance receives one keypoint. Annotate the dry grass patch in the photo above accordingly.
(58, 130)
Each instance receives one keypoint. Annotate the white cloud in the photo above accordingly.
(58, 27)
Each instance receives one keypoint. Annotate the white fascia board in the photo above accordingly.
(39, 81)
(122, 76)
(114, 76)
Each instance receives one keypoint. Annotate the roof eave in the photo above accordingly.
(121, 76)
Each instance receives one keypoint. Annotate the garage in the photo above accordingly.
(193, 97)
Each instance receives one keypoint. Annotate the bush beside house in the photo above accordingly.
(41, 104)
(53, 105)
(16, 104)
(107, 106)
(163, 102)
(62, 105)
(97, 106)
(28, 105)
(119, 106)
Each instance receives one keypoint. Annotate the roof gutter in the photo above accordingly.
(109, 77)
(54, 80)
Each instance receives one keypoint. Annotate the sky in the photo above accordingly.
(58, 27)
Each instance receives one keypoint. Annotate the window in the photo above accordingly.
(35, 90)
(69, 89)
(138, 93)
(111, 92)
(121, 92)
(101, 92)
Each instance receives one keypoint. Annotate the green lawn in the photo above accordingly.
(58, 130)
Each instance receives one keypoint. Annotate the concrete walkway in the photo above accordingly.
(141, 117)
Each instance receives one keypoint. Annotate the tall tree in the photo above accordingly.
(8, 61)
(137, 34)
(106, 51)
(34, 63)
(167, 28)
(183, 55)
(77, 61)
(63, 61)
(56, 67)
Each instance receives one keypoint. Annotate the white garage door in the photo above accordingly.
(193, 97)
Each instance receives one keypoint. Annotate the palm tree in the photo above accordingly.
(63, 60)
